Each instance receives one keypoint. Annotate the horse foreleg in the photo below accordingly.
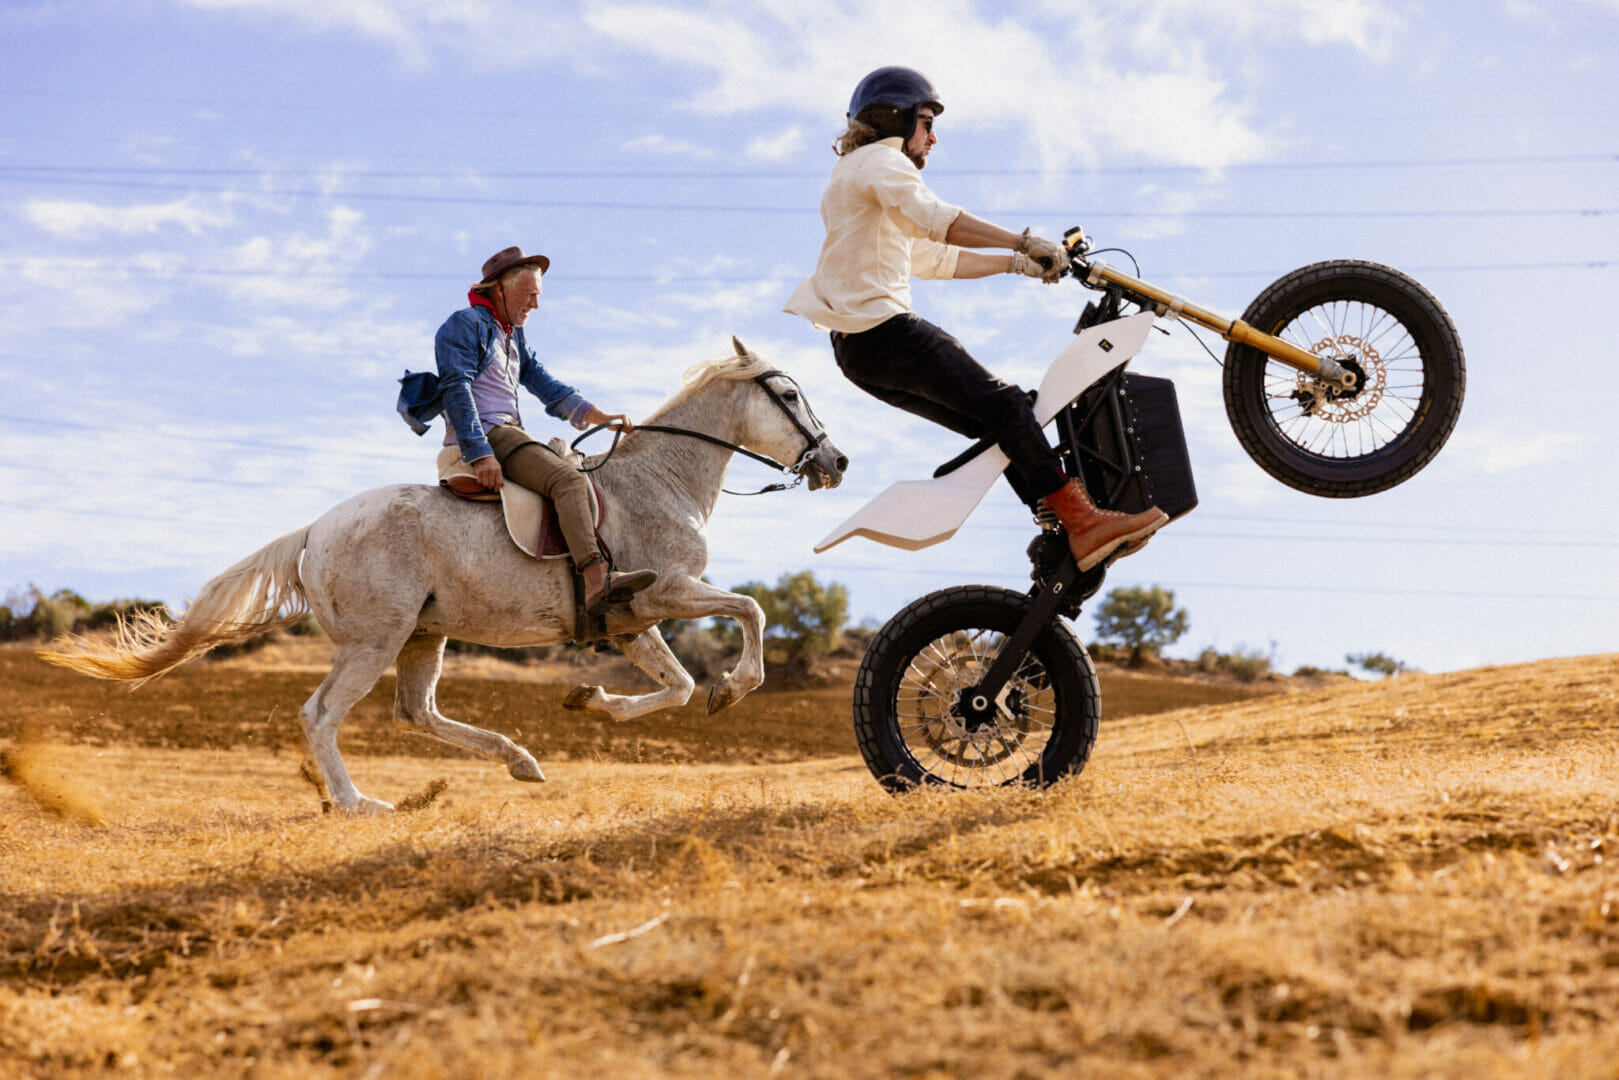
(691, 598)
(415, 709)
(355, 670)
(650, 654)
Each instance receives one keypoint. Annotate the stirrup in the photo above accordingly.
(621, 589)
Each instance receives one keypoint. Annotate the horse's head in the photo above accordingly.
(780, 423)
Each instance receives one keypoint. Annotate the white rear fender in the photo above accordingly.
(914, 514)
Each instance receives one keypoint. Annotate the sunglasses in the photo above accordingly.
(927, 123)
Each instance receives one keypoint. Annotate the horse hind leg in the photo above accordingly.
(355, 670)
(650, 654)
(415, 709)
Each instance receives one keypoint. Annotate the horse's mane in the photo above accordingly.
(732, 368)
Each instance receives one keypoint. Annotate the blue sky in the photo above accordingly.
(227, 226)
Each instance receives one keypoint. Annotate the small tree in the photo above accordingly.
(803, 616)
(58, 613)
(1144, 620)
(1377, 663)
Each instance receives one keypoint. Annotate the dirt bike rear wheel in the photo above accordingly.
(906, 714)
(1393, 334)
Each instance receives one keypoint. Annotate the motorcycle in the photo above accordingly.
(1341, 379)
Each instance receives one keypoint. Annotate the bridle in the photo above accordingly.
(812, 440)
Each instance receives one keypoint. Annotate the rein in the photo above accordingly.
(812, 439)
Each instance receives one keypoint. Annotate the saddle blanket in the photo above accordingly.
(531, 518)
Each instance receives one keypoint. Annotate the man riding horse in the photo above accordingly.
(482, 358)
(883, 225)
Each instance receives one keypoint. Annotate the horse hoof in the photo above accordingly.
(526, 768)
(367, 805)
(719, 696)
(577, 697)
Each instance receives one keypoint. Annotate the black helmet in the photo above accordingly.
(899, 92)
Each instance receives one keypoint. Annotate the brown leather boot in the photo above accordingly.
(1094, 535)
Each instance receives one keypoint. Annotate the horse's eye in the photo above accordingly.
(791, 395)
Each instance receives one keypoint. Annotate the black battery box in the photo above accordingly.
(1123, 438)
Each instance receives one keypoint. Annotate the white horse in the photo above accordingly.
(392, 572)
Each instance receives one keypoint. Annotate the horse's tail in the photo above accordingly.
(259, 594)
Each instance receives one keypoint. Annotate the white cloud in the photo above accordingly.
(1496, 450)
(304, 269)
(146, 148)
(780, 146)
(79, 219)
(1526, 12)
(1371, 27)
(125, 288)
(664, 146)
(1081, 82)
(500, 33)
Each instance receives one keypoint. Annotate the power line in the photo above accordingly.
(106, 435)
(795, 174)
(804, 210)
(1494, 541)
(126, 267)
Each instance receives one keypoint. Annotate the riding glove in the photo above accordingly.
(1049, 257)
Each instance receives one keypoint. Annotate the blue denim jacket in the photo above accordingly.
(463, 348)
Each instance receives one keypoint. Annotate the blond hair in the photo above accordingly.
(858, 134)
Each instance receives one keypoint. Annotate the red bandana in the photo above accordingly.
(478, 299)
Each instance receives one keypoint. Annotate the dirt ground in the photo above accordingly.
(252, 701)
(1400, 879)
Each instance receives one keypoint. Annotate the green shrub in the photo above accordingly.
(1241, 663)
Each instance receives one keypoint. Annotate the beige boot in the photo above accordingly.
(1094, 535)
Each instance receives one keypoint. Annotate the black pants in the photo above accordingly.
(909, 362)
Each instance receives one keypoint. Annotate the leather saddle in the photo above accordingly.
(531, 521)
(531, 518)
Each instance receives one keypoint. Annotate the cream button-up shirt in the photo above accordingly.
(883, 227)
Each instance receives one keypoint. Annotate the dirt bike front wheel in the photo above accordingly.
(1338, 443)
(908, 717)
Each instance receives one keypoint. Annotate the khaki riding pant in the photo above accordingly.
(537, 467)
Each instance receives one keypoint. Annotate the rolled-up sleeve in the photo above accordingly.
(920, 212)
(934, 261)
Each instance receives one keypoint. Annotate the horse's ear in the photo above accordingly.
(736, 343)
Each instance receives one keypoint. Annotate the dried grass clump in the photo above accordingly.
(424, 798)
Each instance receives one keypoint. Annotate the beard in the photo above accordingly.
(919, 160)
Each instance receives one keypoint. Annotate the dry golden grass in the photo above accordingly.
(1413, 878)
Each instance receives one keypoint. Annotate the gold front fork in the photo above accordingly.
(1324, 368)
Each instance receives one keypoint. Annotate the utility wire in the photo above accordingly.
(132, 268)
(106, 436)
(733, 208)
(1370, 538)
(55, 170)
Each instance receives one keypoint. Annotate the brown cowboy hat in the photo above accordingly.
(508, 259)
